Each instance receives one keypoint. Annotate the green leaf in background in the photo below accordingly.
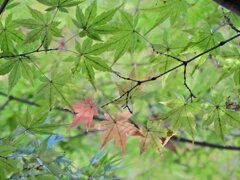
(9, 35)
(61, 5)
(174, 9)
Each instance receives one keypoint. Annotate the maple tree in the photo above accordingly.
(160, 78)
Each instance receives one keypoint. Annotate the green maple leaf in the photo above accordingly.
(181, 115)
(47, 157)
(87, 61)
(41, 27)
(61, 5)
(17, 67)
(35, 124)
(9, 35)
(90, 23)
(220, 116)
(52, 88)
(151, 137)
(125, 36)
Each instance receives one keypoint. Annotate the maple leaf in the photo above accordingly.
(85, 112)
(135, 93)
(157, 138)
(117, 128)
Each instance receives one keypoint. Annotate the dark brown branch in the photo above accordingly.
(27, 53)
(26, 101)
(3, 6)
(206, 144)
(232, 5)
(175, 138)
(185, 63)
(19, 99)
(185, 83)
(215, 47)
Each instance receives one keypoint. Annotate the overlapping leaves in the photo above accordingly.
(87, 61)
(36, 124)
(151, 137)
(181, 115)
(9, 35)
(42, 27)
(91, 24)
(204, 39)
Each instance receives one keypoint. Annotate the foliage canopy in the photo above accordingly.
(164, 74)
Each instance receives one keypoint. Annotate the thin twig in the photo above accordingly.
(26, 101)
(185, 83)
(158, 52)
(229, 22)
(27, 53)
(38, 68)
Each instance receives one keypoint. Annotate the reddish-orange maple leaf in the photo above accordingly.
(117, 128)
(85, 112)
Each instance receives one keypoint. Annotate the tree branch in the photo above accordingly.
(158, 52)
(175, 138)
(3, 6)
(185, 63)
(5, 104)
(232, 5)
(19, 99)
(206, 144)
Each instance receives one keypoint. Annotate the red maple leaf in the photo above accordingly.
(117, 128)
(85, 112)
